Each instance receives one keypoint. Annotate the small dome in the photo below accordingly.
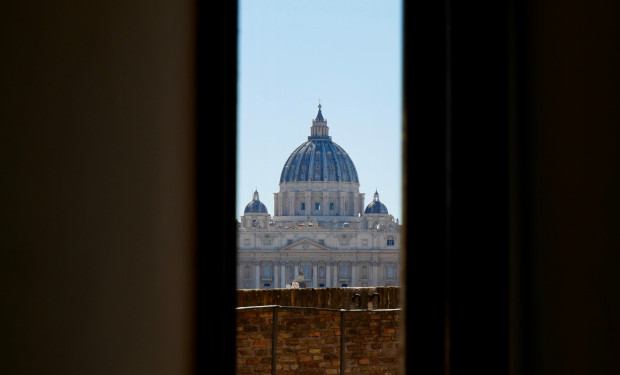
(255, 206)
(376, 207)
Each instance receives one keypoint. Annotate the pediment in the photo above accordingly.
(305, 244)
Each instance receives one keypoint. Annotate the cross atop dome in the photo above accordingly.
(319, 116)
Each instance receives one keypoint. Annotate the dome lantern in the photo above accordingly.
(319, 129)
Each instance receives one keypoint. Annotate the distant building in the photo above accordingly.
(320, 230)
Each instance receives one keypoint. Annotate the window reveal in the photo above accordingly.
(267, 271)
(344, 271)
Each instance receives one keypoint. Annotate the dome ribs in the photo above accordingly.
(324, 166)
(304, 163)
(288, 172)
(333, 163)
(319, 159)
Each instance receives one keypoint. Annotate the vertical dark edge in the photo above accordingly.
(448, 173)
(520, 198)
(514, 205)
(527, 172)
(274, 340)
(479, 220)
(424, 187)
(342, 346)
(216, 103)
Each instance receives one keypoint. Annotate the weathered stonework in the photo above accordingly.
(329, 298)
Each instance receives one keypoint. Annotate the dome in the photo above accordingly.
(319, 158)
(376, 207)
(255, 206)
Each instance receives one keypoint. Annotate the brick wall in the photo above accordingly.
(310, 340)
(371, 341)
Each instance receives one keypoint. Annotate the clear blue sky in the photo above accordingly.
(348, 55)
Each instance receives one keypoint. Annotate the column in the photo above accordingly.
(328, 282)
(257, 276)
(362, 206)
(315, 276)
(282, 275)
(325, 204)
(308, 204)
(279, 210)
(353, 274)
(275, 275)
(375, 273)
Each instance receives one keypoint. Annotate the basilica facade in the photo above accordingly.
(321, 233)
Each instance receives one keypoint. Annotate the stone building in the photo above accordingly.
(321, 233)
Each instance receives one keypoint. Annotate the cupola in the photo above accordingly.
(376, 207)
(255, 206)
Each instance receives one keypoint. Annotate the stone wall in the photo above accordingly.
(333, 298)
(310, 340)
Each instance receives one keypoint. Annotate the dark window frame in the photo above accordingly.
(453, 59)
